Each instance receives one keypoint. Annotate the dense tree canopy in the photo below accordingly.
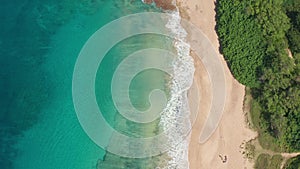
(293, 163)
(293, 11)
(255, 36)
(241, 41)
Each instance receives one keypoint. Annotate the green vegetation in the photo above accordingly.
(250, 150)
(241, 41)
(293, 11)
(262, 162)
(293, 163)
(255, 36)
(265, 161)
(275, 162)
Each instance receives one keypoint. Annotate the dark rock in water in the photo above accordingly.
(164, 4)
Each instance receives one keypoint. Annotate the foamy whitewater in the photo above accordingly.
(176, 118)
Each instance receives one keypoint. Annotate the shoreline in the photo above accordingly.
(232, 131)
(182, 79)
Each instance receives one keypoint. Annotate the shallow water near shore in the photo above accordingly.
(40, 42)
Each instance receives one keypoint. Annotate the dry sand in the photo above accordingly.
(232, 131)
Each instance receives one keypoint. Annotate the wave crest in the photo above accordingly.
(176, 115)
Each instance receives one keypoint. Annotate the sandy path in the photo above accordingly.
(232, 131)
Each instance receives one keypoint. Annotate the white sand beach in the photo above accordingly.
(232, 132)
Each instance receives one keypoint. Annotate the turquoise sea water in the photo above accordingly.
(39, 43)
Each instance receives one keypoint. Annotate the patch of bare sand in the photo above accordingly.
(232, 131)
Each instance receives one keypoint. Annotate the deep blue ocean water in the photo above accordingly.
(39, 44)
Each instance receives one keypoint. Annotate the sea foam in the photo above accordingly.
(176, 118)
